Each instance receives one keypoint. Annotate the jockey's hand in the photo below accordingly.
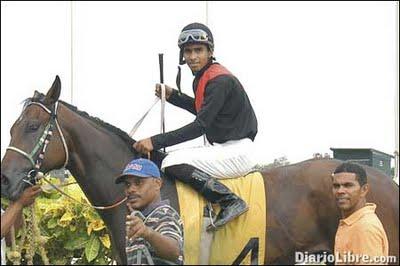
(143, 146)
(136, 228)
(168, 91)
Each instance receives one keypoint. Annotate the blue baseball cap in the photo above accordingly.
(143, 168)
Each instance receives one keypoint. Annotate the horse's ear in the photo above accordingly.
(36, 95)
(54, 92)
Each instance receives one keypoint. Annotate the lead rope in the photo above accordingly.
(40, 241)
(83, 203)
(34, 239)
(14, 256)
(31, 237)
(30, 251)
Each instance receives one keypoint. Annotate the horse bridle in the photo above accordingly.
(35, 174)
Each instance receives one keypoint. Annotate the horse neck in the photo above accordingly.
(97, 156)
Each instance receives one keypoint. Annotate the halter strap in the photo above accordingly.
(23, 153)
(42, 140)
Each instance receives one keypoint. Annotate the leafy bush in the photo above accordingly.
(71, 231)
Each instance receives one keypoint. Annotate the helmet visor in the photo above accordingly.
(196, 35)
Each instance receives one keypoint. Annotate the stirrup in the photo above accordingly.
(213, 227)
(211, 214)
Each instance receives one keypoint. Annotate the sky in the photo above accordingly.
(318, 74)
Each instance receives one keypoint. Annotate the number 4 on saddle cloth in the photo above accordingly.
(241, 241)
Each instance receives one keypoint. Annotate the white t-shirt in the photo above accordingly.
(3, 247)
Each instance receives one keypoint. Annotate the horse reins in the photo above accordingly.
(35, 174)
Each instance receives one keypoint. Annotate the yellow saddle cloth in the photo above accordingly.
(241, 240)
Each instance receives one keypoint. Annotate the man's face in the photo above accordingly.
(141, 191)
(196, 56)
(348, 193)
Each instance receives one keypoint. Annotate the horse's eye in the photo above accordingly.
(33, 126)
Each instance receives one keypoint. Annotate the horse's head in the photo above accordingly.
(37, 143)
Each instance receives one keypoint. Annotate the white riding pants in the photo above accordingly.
(227, 160)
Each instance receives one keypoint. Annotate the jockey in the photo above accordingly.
(223, 113)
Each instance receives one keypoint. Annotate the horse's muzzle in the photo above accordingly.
(5, 183)
(12, 190)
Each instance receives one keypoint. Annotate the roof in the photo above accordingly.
(361, 149)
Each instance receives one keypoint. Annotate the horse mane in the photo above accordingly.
(157, 155)
(120, 133)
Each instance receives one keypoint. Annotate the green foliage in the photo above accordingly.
(70, 229)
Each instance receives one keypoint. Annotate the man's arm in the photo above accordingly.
(13, 214)
(185, 133)
(10, 216)
(183, 101)
(164, 246)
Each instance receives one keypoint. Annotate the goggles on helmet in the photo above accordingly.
(196, 35)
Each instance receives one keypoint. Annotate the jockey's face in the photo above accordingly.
(348, 193)
(196, 56)
(141, 191)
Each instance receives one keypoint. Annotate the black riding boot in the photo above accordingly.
(214, 191)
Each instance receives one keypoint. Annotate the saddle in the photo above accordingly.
(241, 241)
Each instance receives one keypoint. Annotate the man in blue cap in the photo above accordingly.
(154, 229)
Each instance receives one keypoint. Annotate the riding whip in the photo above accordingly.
(161, 63)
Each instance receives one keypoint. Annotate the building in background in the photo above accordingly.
(370, 157)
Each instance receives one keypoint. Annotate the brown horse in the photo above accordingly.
(301, 214)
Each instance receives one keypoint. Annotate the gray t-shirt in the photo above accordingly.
(162, 218)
